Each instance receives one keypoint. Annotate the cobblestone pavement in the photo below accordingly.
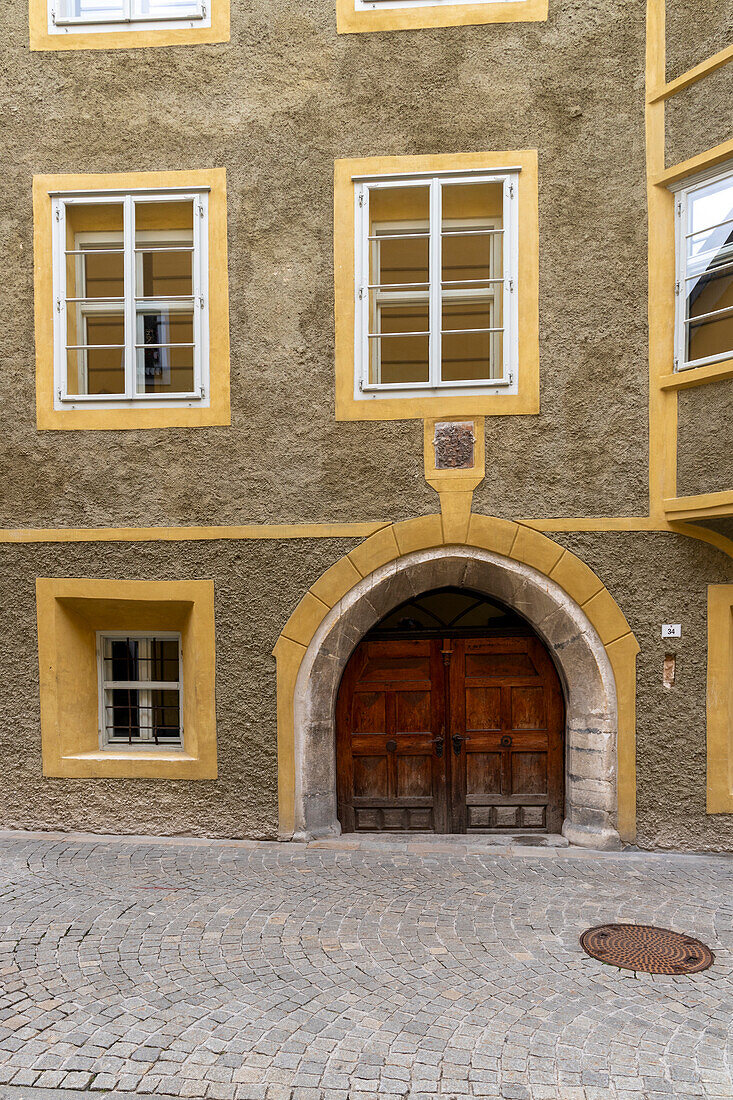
(237, 971)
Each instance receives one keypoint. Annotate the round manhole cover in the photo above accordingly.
(643, 947)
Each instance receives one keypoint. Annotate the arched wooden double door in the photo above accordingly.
(450, 734)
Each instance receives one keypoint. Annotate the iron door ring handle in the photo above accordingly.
(506, 742)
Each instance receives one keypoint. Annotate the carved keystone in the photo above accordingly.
(453, 444)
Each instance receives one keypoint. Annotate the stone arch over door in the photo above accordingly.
(589, 642)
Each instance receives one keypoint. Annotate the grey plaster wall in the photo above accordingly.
(699, 117)
(705, 439)
(662, 578)
(257, 586)
(696, 29)
(655, 578)
(275, 107)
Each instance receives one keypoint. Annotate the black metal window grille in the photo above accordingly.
(141, 689)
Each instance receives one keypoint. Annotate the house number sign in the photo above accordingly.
(672, 630)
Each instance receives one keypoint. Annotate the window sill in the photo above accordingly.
(697, 376)
(102, 764)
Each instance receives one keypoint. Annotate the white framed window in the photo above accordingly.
(435, 287)
(130, 289)
(140, 690)
(704, 278)
(98, 16)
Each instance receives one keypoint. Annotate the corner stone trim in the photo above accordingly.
(574, 645)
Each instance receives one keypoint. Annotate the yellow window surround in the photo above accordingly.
(217, 411)
(720, 699)
(418, 407)
(130, 38)
(70, 612)
(380, 16)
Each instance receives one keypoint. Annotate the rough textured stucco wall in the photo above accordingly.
(700, 117)
(696, 29)
(257, 586)
(275, 107)
(705, 439)
(662, 578)
(655, 578)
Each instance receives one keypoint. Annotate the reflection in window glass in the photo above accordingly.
(707, 273)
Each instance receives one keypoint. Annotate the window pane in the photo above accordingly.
(94, 229)
(471, 355)
(164, 274)
(121, 659)
(400, 217)
(463, 312)
(165, 720)
(122, 716)
(91, 11)
(168, 369)
(708, 207)
(169, 222)
(400, 359)
(164, 659)
(94, 368)
(165, 326)
(710, 338)
(162, 9)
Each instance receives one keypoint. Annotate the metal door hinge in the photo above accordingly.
(511, 285)
(201, 301)
(677, 287)
(58, 305)
(511, 190)
(511, 378)
(361, 198)
(58, 213)
(362, 292)
(679, 208)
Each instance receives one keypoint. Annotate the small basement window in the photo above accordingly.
(140, 690)
(115, 15)
(436, 278)
(130, 290)
(704, 290)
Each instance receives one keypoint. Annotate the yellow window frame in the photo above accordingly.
(351, 21)
(218, 411)
(527, 399)
(69, 613)
(130, 39)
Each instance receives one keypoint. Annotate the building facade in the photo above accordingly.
(367, 455)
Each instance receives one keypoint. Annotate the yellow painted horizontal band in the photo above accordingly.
(193, 534)
(700, 507)
(717, 155)
(593, 523)
(697, 376)
(705, 68)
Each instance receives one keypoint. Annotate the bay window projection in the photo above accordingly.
(101, 15)
(704, 290)
(130, 290)
(435, 285)
(139, 690)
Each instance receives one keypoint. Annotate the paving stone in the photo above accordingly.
(351, 970)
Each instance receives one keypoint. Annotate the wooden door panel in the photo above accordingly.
(483, 773)
(529, 711)
(414, 776)
(370, 777)
(528, 772)
(483, 708)
(368, 712)
(500, 666)
(412, 711)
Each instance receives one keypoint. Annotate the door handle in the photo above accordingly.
(438, 742)
(457, 739)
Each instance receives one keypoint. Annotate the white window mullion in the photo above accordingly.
(130, 291)
(436, 277)
(509, 270)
